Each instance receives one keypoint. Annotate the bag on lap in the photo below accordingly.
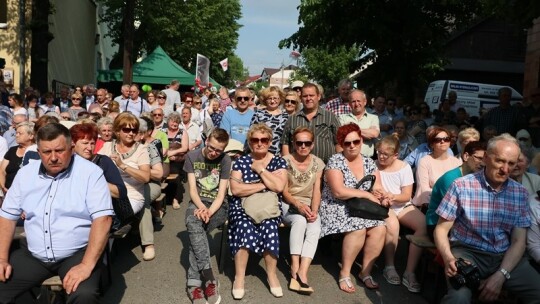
(365, 208)
(261, 206)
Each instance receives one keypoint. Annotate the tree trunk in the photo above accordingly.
(39, 51)
(129, 30)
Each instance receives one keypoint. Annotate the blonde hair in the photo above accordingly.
(260, 127)
(391, 141)
(265, 93)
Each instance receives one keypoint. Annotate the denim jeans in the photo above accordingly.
(199, 249)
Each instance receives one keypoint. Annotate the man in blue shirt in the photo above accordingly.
(237, 121)
(67, 208)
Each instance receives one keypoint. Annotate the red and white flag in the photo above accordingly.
(224, 64)
(295, 54)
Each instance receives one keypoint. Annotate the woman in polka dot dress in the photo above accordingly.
(252, 173)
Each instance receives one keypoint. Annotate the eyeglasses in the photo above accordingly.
(264, 140)
(128, 130)
(355, 142)
(212, 149)
(291, 101)
(157, 114)
(243, 98)
(477, 158)
(439, 140)
(380, 153)
(75, 99)
(303, 143)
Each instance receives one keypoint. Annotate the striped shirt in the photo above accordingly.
(324, 125)
(484, 217)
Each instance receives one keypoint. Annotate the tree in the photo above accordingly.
(182, 28)
(404, 40)
(236, 72)
(327, 67)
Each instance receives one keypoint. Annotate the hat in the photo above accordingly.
(234, 146)
(213, 90)
(297, 84)
(523, 134)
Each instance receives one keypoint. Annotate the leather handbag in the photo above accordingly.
(261, 206)
(365, 208)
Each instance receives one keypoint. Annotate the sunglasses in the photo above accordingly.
(264, 140)
(355, 142)
(292, 101)
(243, 98)
(198, 103)
(161, 97)
(439, 140)
(523, 139)
(158, 115)
(128, 130)
(75, 99)
(303, 143)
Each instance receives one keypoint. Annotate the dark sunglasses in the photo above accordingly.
(290, 101)
(128, 130)
(523, 139)
(347, 144)
(304, 143)
(439, 140)
(198, 103)
(161, 97)
(75, 99)
(157, 114)
(264, 140)
(243, 98)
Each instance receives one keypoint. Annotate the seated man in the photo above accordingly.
(68, 213)
(487, 215)
(208, 171)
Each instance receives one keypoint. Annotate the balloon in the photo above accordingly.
(146, 88)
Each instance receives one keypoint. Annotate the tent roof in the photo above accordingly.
(156, 68)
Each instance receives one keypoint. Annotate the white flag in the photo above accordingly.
(224, 64)
(203, 70)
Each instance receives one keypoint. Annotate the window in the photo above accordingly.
(3, 14)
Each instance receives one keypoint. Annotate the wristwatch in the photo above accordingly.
(505, 273)
(261, 172)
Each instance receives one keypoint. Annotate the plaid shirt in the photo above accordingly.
(338, 107)
(483, 217)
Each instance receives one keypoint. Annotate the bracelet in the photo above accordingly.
(262, 171)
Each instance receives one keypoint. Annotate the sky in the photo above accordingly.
(264, 24)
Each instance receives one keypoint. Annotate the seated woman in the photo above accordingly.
(134, 163)
(84, 137)
(433, 165)
(343, 171)
(13, 159)
(397, 180)
(105, 132)
(255, 172)
(302, 196)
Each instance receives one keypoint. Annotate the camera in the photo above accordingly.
(467, 274)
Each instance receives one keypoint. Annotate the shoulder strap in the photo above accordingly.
(368, 178)
(127, 103)
(97, 159)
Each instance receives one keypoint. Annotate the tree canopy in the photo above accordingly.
(402, 40)
(182, 29)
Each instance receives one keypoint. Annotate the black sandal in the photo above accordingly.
(305, 289)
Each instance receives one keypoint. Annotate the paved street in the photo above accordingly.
(163, 279)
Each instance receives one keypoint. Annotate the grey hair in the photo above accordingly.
(104, 121)
(492, 143)
(343, 82)
(143, 126)
(175, 116)
(359, 91)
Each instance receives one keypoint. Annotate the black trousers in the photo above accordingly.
(28, 272)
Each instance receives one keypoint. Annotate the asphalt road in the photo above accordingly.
(163, 280)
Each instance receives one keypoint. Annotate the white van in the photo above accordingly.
(470, 96)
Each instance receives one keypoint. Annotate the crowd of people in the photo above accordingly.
(469, 183)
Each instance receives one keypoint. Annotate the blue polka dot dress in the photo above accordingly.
(242, 231)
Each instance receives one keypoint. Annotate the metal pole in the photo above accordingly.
(22, 45)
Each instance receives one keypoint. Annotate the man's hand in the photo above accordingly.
(75, 276)
(202, 214)
(450, 268)
(491, 287)
(5, 270)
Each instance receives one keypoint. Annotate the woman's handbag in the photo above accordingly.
(365, 208)
(261, 206)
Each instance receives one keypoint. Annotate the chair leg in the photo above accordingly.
(222, 254)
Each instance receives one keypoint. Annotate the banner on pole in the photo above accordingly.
(203, 70)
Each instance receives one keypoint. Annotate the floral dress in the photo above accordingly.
(243, 233)
(276, 123)
(334, 213)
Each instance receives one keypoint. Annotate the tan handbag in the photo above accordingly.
(261, 206)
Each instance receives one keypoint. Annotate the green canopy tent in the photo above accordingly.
(157, 68)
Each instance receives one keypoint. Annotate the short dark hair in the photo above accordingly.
(220, 135)
(474, 146)
(52, 131)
